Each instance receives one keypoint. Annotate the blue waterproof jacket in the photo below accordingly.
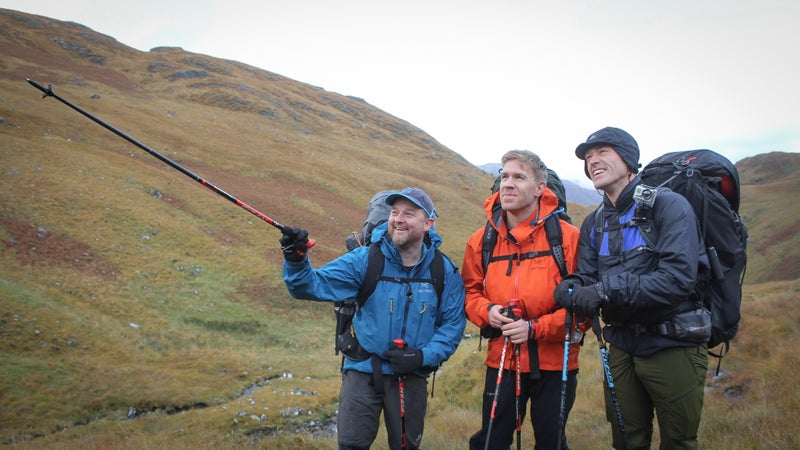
(418, 317)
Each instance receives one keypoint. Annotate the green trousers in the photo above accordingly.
(670, 383)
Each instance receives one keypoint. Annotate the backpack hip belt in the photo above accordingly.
(690, 326)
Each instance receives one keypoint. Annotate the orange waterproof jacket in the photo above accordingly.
(532, 281)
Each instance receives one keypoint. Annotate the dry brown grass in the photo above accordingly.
(752, 404)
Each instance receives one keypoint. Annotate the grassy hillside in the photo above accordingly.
(139, 310)
(770, 186)
(127, 289)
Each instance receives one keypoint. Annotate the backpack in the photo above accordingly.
(377, 214)
(710, 182)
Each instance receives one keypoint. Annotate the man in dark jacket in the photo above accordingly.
(644, 293)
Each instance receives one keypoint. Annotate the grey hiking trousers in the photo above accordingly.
(360, 410)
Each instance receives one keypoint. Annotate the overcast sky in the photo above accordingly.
(484, 77)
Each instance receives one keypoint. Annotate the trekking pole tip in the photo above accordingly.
(46, 90)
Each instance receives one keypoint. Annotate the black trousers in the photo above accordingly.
(545, 405)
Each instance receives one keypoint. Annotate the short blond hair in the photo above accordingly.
(531, 159)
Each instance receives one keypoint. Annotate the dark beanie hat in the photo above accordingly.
(622, 142)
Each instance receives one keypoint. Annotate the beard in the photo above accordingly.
(405, 241)
(402, 243)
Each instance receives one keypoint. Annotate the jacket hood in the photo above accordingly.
(548, 204)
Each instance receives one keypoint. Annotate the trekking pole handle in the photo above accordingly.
(512, 309)
(399, 343)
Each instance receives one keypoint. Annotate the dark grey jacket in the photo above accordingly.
(644, 285)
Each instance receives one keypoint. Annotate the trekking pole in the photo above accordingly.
(609, 379)
(48, 92)
(562, 411)
(401, 387)
(516, 313)
(518, 391)
(510, 312)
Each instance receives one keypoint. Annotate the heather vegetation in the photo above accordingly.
(140, 310)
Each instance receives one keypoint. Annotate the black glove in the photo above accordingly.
(587, 300)
(562, 293)
(294, 243)
(403, 360)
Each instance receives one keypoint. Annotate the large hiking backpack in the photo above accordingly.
(710, 182)
(377, 214)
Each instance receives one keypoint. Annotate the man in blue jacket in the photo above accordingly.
(404, 305)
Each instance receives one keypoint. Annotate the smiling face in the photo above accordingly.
(407, 224)
(607, 170)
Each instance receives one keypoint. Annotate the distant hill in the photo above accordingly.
(575, 193)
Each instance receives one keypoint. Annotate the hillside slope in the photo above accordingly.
(127, 288)
(264, 137)
(770, 210)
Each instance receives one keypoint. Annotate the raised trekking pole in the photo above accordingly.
(562, 411)
(48, 92)
(510, 313)
(401, 388)
(609, 379)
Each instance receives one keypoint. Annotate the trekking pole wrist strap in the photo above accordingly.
(531, 330)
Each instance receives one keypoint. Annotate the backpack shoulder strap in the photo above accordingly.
(487, 245)
(552, 228)
(643, 217)
(490, 237)
(375, 263)
(597, 227)
(437, 272)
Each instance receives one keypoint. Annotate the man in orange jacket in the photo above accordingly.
(526, 274)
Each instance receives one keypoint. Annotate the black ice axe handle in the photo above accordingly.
(48, 92)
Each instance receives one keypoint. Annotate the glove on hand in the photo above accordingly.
(588, 299)
(294, 243)
(562, 292)
(403, 360)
